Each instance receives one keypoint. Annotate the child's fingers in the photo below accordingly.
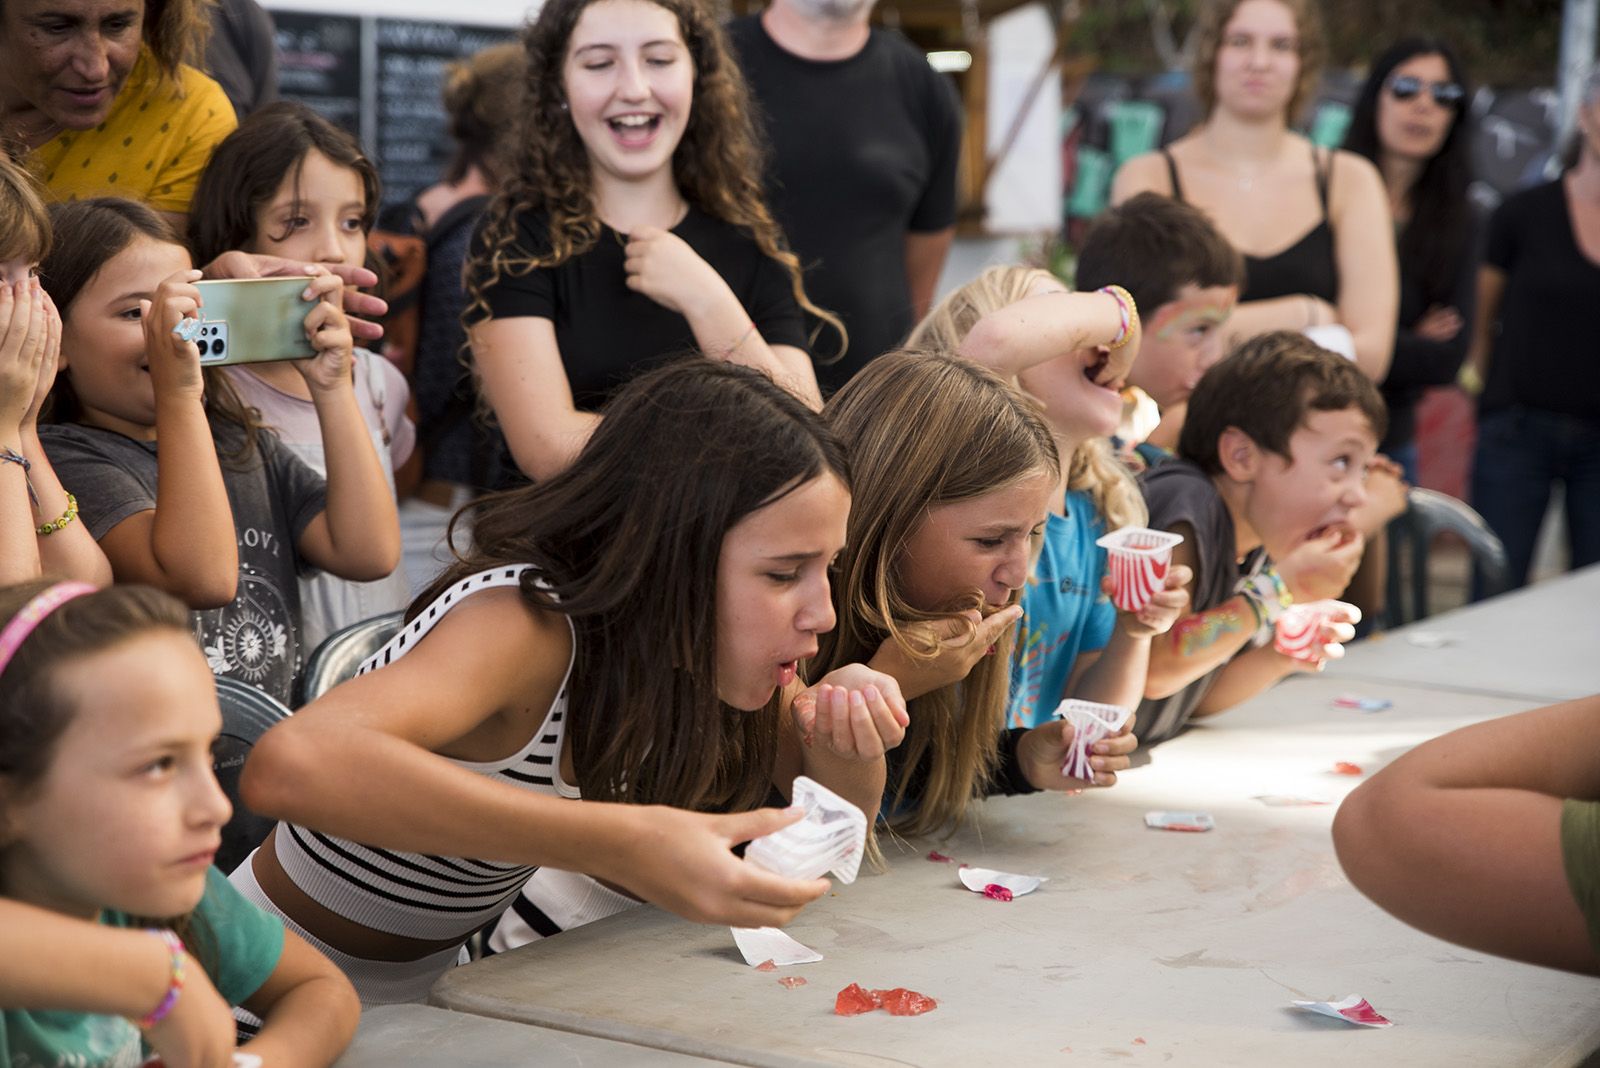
(1178, 577)
(803, 711)
(325, 287)
(992, 629)
(886, 722)
(843, 736)
(744, 826)
(864, 740)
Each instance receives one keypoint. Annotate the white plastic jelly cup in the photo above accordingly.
(1137, 558)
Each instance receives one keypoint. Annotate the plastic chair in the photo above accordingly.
(247, 713)
(1411, 537)
(341, 652)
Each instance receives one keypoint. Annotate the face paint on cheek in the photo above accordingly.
(1182, 320)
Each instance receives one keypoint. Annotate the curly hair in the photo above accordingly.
(1312, 46)
(717, 165)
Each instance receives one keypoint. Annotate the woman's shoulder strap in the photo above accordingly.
(1172, 175)
(428, 618)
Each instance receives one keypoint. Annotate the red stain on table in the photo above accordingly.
(938, 857)
(1344, 767)
(792, 981)
(766, 966)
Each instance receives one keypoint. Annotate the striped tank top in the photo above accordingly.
(417, 895)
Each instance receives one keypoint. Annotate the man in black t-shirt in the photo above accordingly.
(865, 140)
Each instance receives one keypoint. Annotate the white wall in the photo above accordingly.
(1024, 194)
(478, 12)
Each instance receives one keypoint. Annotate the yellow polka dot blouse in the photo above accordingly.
(152, 147)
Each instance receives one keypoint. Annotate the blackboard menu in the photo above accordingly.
(413, 142)
(319, 64)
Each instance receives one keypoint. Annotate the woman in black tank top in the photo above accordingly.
(1256, 68)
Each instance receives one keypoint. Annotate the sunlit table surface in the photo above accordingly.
(1144, 947)
(417, 1036)
(1541, 642)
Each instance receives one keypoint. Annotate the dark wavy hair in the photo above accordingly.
(628, 540)
(718, 165)
(1440, 230)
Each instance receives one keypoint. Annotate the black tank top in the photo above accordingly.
(1307, 266)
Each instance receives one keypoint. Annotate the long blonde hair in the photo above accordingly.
(924, 429)
(1091, 468)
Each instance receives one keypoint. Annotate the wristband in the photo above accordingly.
(1127, 309)
(12, 456)
(174, 984)
(47, 529)
(1268, 597)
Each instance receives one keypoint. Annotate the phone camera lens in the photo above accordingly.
(202, 345)
(217, 346)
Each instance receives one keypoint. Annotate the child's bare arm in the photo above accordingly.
(1462, 835)
(186, 545)
(307, 1007)
(358, 535)
(68, 550)
(1051, 322)
(49, 961)
(1118, 674)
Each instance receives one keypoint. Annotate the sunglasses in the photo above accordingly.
(1445, 94)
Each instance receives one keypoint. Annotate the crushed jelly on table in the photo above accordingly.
(792, 981)
(853, 1000)
(903, 1002)
(998, 892)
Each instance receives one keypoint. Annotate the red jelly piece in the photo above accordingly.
(853, 1000)
(1346, 768)
(903, 1002)
(996, 891)
(1138, 1042)
(766, 966)
(939, 858)
(792, 981)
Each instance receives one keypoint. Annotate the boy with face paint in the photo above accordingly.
(1185, 278)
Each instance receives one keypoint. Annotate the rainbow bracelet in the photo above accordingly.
(1127, 309)
(174, 984)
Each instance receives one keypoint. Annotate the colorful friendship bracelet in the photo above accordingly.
(1127, 309)
(47, 529)
(174, 984)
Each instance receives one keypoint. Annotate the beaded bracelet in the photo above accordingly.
(61, 520)
(1127, 309)
(1268, 596)
(174, 984)
(12, 456)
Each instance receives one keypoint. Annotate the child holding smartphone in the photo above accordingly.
(289, 183)
(174, 478)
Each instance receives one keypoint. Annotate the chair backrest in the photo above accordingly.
(1430, 514)
(247, 713)
(341, 652)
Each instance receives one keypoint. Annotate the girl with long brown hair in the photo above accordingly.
(952, 473)
(627, 632)
(630, 226)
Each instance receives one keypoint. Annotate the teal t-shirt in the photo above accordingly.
(1063, 612)
(245, 942)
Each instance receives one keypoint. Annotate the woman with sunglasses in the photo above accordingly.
(1408, 120)
(1534, 348)
(1312, 224)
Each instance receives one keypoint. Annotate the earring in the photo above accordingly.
(563, 105)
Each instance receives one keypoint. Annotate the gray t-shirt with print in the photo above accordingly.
(274, 496)
(1178, 492)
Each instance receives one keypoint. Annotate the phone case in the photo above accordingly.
(250, 320)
